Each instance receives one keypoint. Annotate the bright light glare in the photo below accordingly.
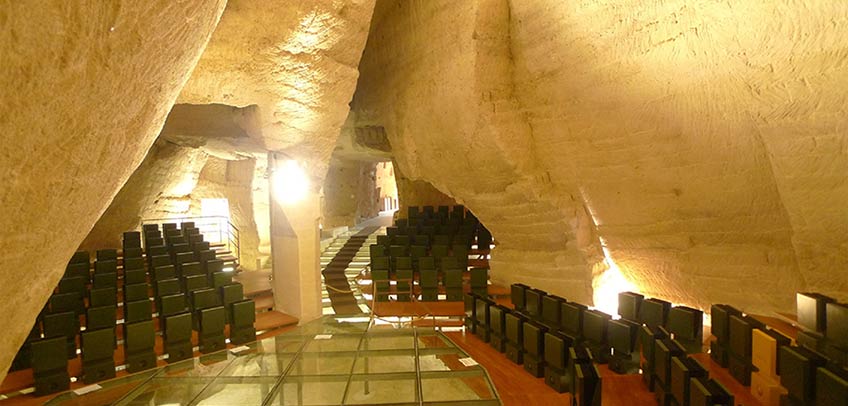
(608, 285)
(290, 182)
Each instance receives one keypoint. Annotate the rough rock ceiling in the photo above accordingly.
(296, 61)
(700, 144)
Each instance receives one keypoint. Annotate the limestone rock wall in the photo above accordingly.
(232, 180)
(698, 146)
(296, 61)
(84, 90)
(350, 194)
(160, 188)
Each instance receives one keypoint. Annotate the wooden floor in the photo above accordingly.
(517, 387)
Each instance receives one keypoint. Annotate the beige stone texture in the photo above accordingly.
(84, 90)
(350, 194)
(160, 188)
(701, 144)
(296, 61)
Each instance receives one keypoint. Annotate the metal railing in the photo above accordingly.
(215, 230)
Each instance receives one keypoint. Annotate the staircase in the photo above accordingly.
(341, 262)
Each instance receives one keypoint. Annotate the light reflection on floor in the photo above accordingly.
(321, 363)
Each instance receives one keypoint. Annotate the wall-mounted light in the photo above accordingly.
(290, 182)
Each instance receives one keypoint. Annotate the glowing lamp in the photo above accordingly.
(291, 183)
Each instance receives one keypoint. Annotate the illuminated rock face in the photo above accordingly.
(296, 61)
(702, 146)
(84, 90)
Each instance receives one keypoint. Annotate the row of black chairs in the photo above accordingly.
(559, 345)
(813, 372)
(189, 296)
(438, 215)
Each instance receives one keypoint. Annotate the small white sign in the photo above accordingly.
(87, 389)
(323, 336)
(237, 350)
(469, 362)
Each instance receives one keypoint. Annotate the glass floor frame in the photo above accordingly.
(325, 362)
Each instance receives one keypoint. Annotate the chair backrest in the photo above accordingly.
(215, 265)
(164, 272)
(186, 224)
(380, 263)
(138, 310)
(212, 320)
(97, 344)
(231, 293)
(66, 302)
(105, 280)
(103, 297)
(150, 227)
(195, 282)
(105, 266)
(205, 255)
(133, 276)
(135, 292)
(139, 336)
(100, 317)
(107, 254)
(64, 324)
(204, 298)
(80, 269)
(49, 354)
(177, 327)
(80, 257)
(167, 287)
(221, 278)
(156, 248)
(134, 263)
(172, 304)
(191, 268)
(132, 252)
(160, 261)
(427, 263)
(75, 284)
(244, 313)
(200, 246)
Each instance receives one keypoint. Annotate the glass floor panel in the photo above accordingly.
(326, 362)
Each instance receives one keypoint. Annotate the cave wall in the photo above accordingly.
(350, 194)
(84, 90)
(160, 188)
(232, 180)
(417, 192)
(698, 147)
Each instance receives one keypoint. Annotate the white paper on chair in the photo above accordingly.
(323, 336)
(87, 389)
(469, 362)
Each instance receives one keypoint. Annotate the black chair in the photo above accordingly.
(556, 360)
(105, 280)
(105, 266)
(133, 276)
(157, 248)
(177, 336)
(211, 334)
(50, 366)
(194, 282)
(515, 337)
(242, 330)
(139, 342)
(103, 297)
(137, 311)
(82, 270)
(164, 272)
(170, 305)
(99, 318)
(683, 369)
(497, 327)
(75, 284)
(134, 263)
(23, 358)
(191, 269)
(167, 287)
(65, 325)
(64, 302)
(230, 294)
(482, 315)
(213, 266)
(158, 261)
(137, 291)
(107, 255)
(221, 279)
(534, 349)
(80, 257)
(98, 355)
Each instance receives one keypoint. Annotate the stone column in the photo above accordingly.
(295, 239)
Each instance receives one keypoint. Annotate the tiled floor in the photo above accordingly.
(326, 362)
